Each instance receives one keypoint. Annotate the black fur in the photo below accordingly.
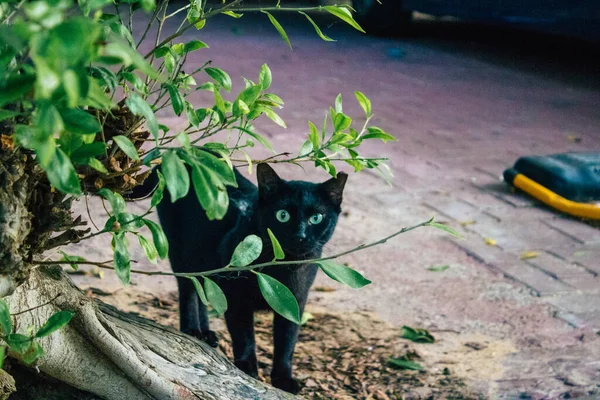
(197, 244)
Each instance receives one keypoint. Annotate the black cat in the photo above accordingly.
(302, 215)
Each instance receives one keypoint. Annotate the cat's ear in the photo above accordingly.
(335, 187)
(268, 180)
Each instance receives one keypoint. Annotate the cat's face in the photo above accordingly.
(302, 215)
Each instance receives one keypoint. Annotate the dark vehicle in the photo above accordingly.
(577, 18)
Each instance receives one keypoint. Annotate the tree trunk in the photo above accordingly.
(118, 356)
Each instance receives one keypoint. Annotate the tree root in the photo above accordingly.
(118, 356)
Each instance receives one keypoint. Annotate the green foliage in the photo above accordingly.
(403, 363)
(417, 335)
(277, 250)
(343, 274)
(78, 97)
(247, 251)
(279, 297)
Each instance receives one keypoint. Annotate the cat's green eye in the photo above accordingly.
(282, 216)
(316, 219)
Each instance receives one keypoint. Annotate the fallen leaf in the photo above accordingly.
(526, 255)
(325, 289)
(574, 139)
(466, 223)
(475, 346)
(489, 241)
(438, 268)
(306, 316)
(401, 363)
(417, 335)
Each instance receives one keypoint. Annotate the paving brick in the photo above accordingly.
(558, 267)
(577, 302)
(584, 255)
(512, 235)
(578, 230)
(453, 208)
(509, 265)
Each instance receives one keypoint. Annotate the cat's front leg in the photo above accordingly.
(285, 335)
(240, 324)
(193, 316)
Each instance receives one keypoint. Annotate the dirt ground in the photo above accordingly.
(339, 356)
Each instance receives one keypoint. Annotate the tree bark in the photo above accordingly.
(118, 356)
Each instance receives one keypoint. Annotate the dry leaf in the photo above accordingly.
(325, 289)
(574, 139)
(489, 241)
(526, 255)
(467, 223)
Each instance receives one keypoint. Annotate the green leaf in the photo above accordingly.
(149, 249)
(259, 138)
(135, 80)
(122, 260)
(279, 28)
(15, 87)
(79, 122)
(219, 166)
(317, 29)
(116, 201)
(274, 98)
(401, 363)
(72, 260)
(250, 94)
(6, 114)
(34, 352)
(338, 104)
(240, 108)
(18, 343)
(364, 102)
(54, 323)
(247, 251)
(71, 86)
(220, 103)
(176, 99)
(279, 297)
(232, 14)
(314, 136)
(343, 274)
(445, 228)
(140, 107)
(306, 149)
(345, 15)
(5, 320)
(159, 238)
(128, 148)
(157, 196)
(265, 78)
(48, 119)
(62, 174)
(215, 296)
(277, 250)
(194, 45)
(36, 139)
(210, 192)
(176, 175)
(199, 290)
(378, 133)
(97, 165)
(438, 268)
(274, 117)
(417, 335)
(220, 76)
(341, 122)
(2, 355)
(192, 116)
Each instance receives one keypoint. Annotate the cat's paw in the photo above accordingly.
(289, 385)
(249, 367)
(209, 337)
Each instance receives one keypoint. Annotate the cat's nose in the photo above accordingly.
(301, 235)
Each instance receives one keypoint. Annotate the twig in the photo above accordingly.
(38, 306)
(105, 264)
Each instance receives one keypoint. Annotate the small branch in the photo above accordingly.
(38, 306)
(106, 264)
